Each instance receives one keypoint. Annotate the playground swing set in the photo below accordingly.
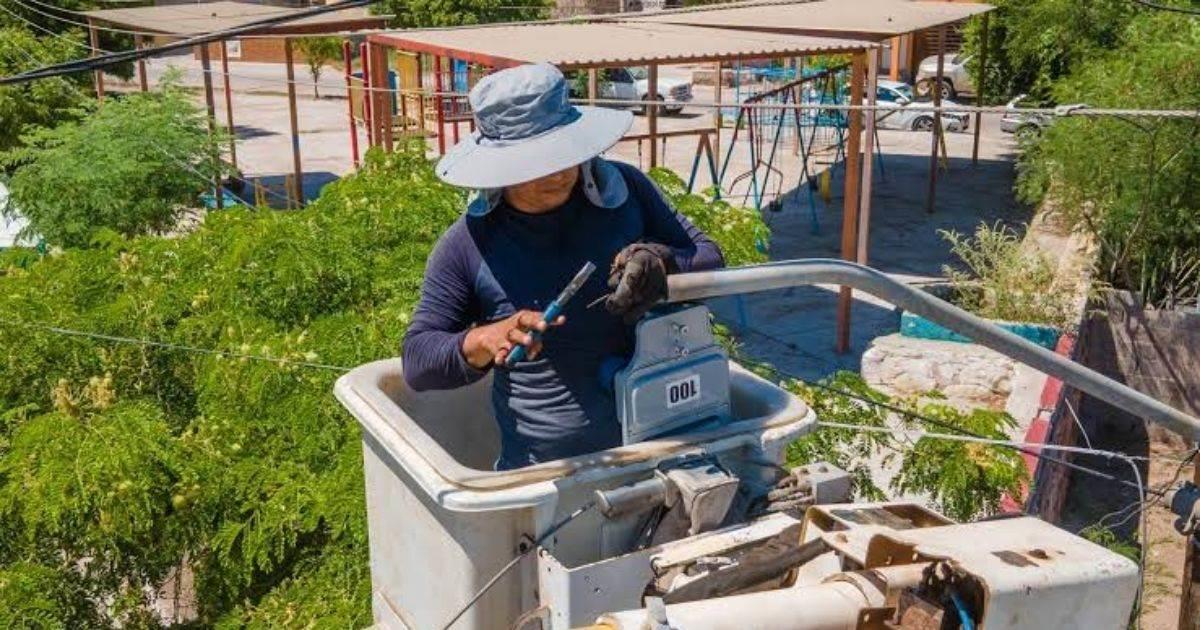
(818, 136)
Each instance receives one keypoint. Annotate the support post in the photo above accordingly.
(593, 85)
(864, 216)
(850, 197)
(138, 43)
(439, 113)
(718, 122)
(347, 61)
(98, 74)
(383, 97)
(980, 82)
(652, 111)
(931, 196)
(367, 94)
(1189, 598)
(294, 123)
(894, 62)
(228, 104)
(206, 66)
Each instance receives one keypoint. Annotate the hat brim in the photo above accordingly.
(472, 164)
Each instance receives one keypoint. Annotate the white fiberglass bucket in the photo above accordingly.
(442, 522)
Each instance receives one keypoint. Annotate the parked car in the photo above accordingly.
(1023, 124)
(956, 79)
(669, 89)
(902, 112)
(615, 84)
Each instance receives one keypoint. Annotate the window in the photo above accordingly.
(617, 75)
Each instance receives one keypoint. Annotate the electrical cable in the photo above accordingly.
(227, 354)
(512, 563)
(97, 63)
(1166, 7)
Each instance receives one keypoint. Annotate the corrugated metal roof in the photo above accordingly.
(875, 19)
(193, 19)
(609, 44)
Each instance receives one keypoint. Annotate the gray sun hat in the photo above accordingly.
(526, 128)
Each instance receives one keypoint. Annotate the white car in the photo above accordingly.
(615, 84)
(902, 112)
(669, 89)
(956, 79)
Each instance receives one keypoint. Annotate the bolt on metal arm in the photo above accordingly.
(792, 273)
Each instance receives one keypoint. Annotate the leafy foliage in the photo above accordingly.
(36, 103)
(412, 13)
(37, 596)
(1131, 184)
(964, 480)
(1005, 280)
(122, 463)
(319, 51)
(132, 166)
(1033, 43)
(740, 231)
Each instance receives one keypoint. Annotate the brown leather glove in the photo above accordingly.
(638, 279)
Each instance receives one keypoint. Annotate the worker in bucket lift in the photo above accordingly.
(544, 204)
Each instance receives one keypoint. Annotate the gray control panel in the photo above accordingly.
(678, 375)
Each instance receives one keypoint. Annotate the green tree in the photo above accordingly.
(139, 459)
(319, 51)
(133, 166)
(414, 13)
(1033, 43)
(37, 103)
(1131, 183)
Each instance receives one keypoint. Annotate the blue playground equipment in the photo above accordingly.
(812, 132)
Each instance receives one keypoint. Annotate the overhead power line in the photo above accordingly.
(104, 61)
(1167, 7)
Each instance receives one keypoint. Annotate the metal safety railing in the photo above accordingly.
(792, 273)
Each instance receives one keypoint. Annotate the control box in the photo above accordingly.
(678, 375)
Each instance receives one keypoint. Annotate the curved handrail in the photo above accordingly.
(791, 273)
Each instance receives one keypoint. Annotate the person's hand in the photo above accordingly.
(638, 279)
(490, 344)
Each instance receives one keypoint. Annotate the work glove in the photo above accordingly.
(638, 279)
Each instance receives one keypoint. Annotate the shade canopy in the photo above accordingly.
(864, 19)
(600, 44)
(194, 19)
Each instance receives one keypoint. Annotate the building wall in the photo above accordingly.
(262, 50)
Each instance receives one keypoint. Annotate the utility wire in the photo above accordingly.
(178, 347)
(97, 63)
(1166, 7)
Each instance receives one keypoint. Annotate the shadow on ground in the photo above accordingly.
(276, 190)
(794, 330)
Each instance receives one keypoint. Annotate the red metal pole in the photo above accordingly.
(437, 102)
(367, 94)
(347, 60)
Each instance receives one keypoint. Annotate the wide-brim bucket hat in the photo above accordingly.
(526, 128)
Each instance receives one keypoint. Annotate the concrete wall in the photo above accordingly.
(1155, 352)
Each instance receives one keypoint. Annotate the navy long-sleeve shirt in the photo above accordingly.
(490, 264)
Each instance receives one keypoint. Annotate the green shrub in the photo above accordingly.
(741, 232)
(1130, 183)
(133, 166)
(1005, 280)
(137, 457)
(42, 102)
(963, 480)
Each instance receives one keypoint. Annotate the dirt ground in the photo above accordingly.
(1164, 546)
